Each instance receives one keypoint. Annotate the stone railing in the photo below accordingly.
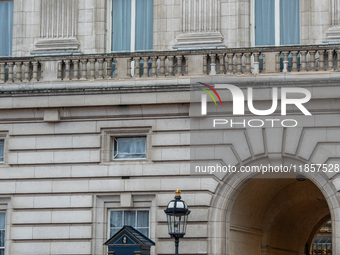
(20, 70)
(238, 61)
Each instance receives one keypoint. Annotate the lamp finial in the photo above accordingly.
(177, 192)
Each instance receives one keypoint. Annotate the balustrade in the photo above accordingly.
(238, 62)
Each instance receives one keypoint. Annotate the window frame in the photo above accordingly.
(277, 24)
(107, 143)
(126, 209)
(4, 137)
(114, 139)
(133, 27)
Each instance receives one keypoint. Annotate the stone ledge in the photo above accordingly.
(57, 46)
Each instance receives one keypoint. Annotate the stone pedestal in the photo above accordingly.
(332, 35)
(201, 40)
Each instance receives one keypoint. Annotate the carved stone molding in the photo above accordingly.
(333, 33)
(200, 25)
(58, 27)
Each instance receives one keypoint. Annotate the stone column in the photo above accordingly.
(201, 15)
(58, 29)
(335, 13)
(333, 33)
(200, 25)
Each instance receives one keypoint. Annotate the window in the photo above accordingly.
(129, 147)
(132, 25)
(137, 219)
(277, 22)
(2, 146)
(2, 232)
(6, 27)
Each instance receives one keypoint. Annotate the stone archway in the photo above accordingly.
(283, 217)
(275, 216)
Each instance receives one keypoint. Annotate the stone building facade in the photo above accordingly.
(71, 99)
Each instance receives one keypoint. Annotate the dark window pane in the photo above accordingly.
(2, 238)
(116, 219)
(6, 27)
(2, 220)
(130, 147)
(142, 219)
(144, 231)
(121, 25)
(130, 218)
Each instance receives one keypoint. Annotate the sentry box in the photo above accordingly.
(129, 241)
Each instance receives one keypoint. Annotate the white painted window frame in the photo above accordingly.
(109, 26)
(108, 135)
(277, 22)
(115, 140)
(125, 209)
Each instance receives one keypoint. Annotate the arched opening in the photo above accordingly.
(276, 217)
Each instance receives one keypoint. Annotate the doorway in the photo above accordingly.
(276, 217)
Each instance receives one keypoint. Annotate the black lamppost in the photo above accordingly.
(177, 215)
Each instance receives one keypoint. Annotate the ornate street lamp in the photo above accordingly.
(177, 215)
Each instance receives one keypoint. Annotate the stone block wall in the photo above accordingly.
(92, 24)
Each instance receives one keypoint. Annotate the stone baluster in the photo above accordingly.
(59, 67)
(263, 63)
(27, 71)
(83, 69)
(330, 60)
(100, 68)
(75, 69)
(338, 57)
(221, 59)
(171, 65)
(153, 66)
(294, 54)
(35, 71)
(285, 61)
(162, 65)
(312, 60)
(92, 68)
(205, 64)
(10, 72)
(19, 65)
(67, 70)
(2, 72)
(137, 62)
(212, 64)
(179, 65)
(247, 55)
(277, 62)
(303, 61)
(239, 63)
(109, 67)
(129, 68)
(321, 60)
(230, 63)
(41, 78)
(256, 63)
(145, 67)
(186, 65)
